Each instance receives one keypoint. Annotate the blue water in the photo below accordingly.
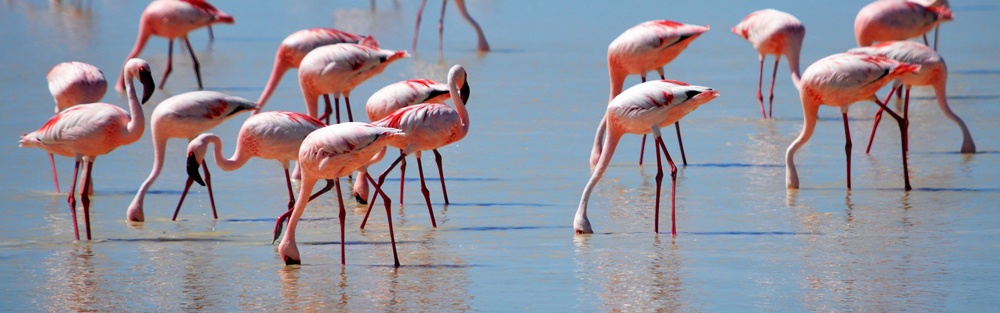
(506, 242)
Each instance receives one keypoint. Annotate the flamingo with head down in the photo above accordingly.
(336, 69)
(72, 83)
(776, 33)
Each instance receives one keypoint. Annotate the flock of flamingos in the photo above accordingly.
(411, 115)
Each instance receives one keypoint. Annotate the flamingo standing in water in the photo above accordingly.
(428, 126)
(270, 135)
(88, 130)
(72, 83)
(840, 80)
(776, 33)
(185, 116)
(933, 72)
(337, 69)
(889, 20)
(330, 153)
(482, 45)
(297, 45)
(642, 109)
(643, 48)
(397, 96)
(173, 19)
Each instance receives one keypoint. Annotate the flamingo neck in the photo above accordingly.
(235, 162)
(280, 67)
(159, 145)
(617, 78)
(611, 138)
(968, 146)
(460, 107)
(137, 124)
(809, 112)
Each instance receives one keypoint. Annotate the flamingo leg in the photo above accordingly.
(194, 59)
(326, 115)
(211, 35)
(208, 183)
(659, 184)
(680, 142)
(673, 189)
(936, 29)
(170, 62)
(878, 118)
(402, 177)
(291, 194)
(388, 215)
(184, 193)
(437, 158)
(847, 147)
(347, 105)
(642, 145)
(906, 113)
(760, 82)
(902, 130)
(72, 200)
(416, 29)
(425, 191)
(341, 216)
(55, 177)
(336, 107)
(444, 4)
(770, 94)
(85, 196)
(381, 180)
(286, 215)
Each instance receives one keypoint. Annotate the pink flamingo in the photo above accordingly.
(428, 126)
(643, 48)
(337, 69)
(840, 80)
(482, 45)
(270, 135)
(172, 19)
(73, 83)
(642, 109)
(185, 116)
(297, 45)
(399, 95)
(89, 130)
(330, 153)
(890, 20)
(776, 33)
(933, 72)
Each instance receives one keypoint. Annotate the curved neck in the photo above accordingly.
(137, 124)
(227, 164)
(792, 54)
(276, 73)
(159, 145)
(809, 111)
(617, 78)
(968, 146)
(460, 107)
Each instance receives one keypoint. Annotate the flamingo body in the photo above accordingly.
(294, 48)
(773, 32)
(641, 109)
(648, 47)
(337, 69)
(184, 116)
(889, 20)
(73, 83)
(402, 94)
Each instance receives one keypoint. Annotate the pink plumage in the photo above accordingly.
(336, 69)
(772, 32)
(889, 20)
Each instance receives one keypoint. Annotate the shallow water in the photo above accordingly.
(506, 241)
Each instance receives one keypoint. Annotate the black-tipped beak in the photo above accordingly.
(146, 78)
(465, 93)
(692, 93)
(192, 169)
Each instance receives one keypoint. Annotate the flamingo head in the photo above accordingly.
(140, 68)
(196, 156)
(192, 169)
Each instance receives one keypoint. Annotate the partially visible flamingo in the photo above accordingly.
(933, 72)
(72, 83)
(934, 4)
(642, 109)
(336, 69)
(173, 19)
(88, 130)
(184, 116)
(428, 126)
(297, 45)
(399, 95)
(274, 135)
(776, 33)
(643, 48)
(889, 20)
(840, 80)
(330, 153)
(482, 45)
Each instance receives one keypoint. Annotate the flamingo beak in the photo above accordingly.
(192, 169)
(146, 78)
(464, 93)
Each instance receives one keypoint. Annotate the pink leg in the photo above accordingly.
(444, 4)
(388, 215)
(336, 107)
(187, 186)
(426, 192)
(85, 196)
(341, 216)
(847, 149)
(760, 82)
(291, 194)
(208, 183)
(437, 158)
(673, 189)
(72, 200)
(381, 180)
(211, 35)
(416, 28)
(194, 59)
(680, 142)
(326, 115)
(642, 145)
(770, 94)
(878, 118)
(284, 216)
(402, 177)
(347, 105)
(55, 177)
(170, 62)
(906, 114)
(902, 130)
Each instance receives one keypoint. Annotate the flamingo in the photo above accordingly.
(270, 135)
(640, 49)
(482, 45)
(330, 153)
(428, 126)
(777, 33)
(89, 130)
(399, 95)
(889, 20)
(184, 116)
(173, 19)
(73, 83)
(298, 44)
(641, 109)
(933, 72)
(337, 69)
(840, 80)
